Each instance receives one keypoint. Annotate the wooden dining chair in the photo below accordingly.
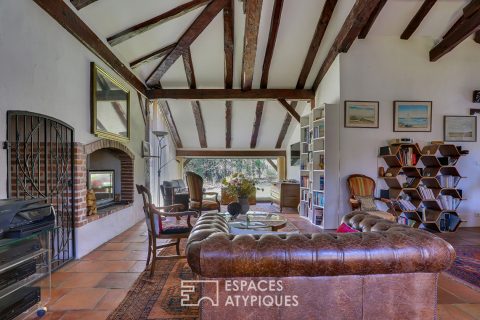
(195, 190)
(157, 229)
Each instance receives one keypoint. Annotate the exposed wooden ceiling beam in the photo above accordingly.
(351, 28)
(167, 114)
(197, 110)
(290, 109)
(463, 30)
(231, 153)
(69, 20)
(231, 94)
(471, 8)
(152, 56)
(155, 21)
(272, 38)
(228, 38)
(120, 113)
(417, 19)
(476, 38)
(274, 166)
(80, 4)
(363, 34)
(228, 124)
(256, 124)
(284, 128)
(195, 29)
(253, 11)
(322, 25)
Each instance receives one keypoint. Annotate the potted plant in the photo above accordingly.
(241, 187)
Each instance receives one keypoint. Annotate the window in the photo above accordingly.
(213, 171)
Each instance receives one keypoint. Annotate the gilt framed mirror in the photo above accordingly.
(110, 110)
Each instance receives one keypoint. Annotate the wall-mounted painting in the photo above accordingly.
(110, 106)
(460, 128)
(361, 114)
(412, 116)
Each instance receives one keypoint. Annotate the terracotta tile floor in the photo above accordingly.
(92, 287)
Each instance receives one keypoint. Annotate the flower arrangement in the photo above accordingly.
(237, 184)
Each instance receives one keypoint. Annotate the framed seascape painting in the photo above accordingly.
(361, 114)
(412, 116)
(460, 128)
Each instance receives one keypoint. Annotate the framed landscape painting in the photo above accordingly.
(460, 128)
(412, 116)
(361, 114)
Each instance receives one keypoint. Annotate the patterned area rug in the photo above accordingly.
(466, 266)
(159, 298)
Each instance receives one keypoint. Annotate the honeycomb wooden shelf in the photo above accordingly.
(426, 179)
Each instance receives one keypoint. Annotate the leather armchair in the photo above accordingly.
(357, 275)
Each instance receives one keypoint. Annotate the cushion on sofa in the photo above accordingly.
(367, 203)
(344, 228)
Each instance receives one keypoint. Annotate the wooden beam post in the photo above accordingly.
(231, 94)
(80, 4)
(155, 21)
(272, 38)
(417, 19)
(228, 36)
(167, 114)
(197, 110)
(253, 10)
(322, 25)
(195, 29)
(69, 20)
(282, 168)
(152, 56)
(290, 109)
(371, 20)
(351, 28)
(464, 29)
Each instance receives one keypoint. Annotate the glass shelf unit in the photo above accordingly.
(20, 274)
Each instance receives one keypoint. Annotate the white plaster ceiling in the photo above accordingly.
(299, 18)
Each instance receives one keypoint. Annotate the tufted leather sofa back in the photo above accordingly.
(383, 248)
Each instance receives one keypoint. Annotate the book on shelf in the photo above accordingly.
(318, 212)
(385, 151)
(304, 181)
(406, 221)
(321, 184)
(426, 193)
(447, 202)
(407, 157)
(304, 195)
(318, 198)
(319, 114)
(448, 181)
(406, 205)
(319, 131)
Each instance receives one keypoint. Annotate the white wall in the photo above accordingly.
(46, 70)
(388, 69)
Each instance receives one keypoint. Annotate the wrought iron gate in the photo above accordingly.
(40, 164)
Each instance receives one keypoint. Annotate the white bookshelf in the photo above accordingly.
(319, 137)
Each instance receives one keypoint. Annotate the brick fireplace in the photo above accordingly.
(126, 158)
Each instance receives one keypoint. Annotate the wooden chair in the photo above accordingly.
(156, 229)
(195, 190)
(364, 186)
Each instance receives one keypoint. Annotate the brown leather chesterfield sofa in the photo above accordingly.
(388, 271)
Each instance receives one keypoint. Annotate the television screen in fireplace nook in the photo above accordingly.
(102, 182)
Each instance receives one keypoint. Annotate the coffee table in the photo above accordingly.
(257, 220)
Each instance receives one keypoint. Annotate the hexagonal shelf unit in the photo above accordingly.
(423, 185)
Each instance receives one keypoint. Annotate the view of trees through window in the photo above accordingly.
(214, 170)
